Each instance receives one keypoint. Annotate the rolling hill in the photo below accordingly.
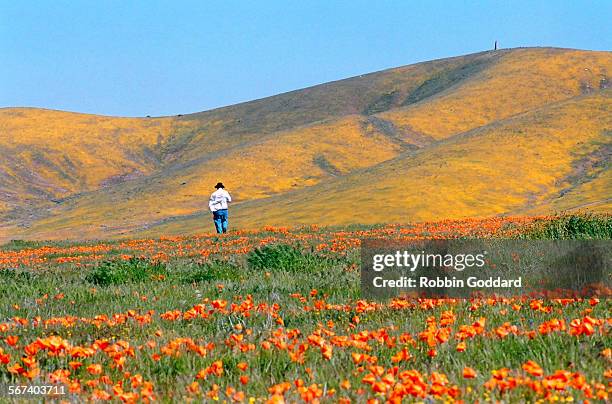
(504, 132)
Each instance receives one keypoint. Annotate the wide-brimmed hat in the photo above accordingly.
(219, 185)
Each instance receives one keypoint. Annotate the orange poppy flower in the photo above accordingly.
(94, 369)
(533, 369)
(469, 373)
(326, 351)
(194, 388)
(12, 340)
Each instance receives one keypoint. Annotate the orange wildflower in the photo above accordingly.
(12, 340)
(94, 369)
(193, 388)
(533, 368)
(469, 373)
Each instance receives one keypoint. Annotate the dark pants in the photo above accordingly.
(220, 218)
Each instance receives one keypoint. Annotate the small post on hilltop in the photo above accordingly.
(495, 46)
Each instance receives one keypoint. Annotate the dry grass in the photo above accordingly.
(522, 80)
(53, 154)
(275, 164)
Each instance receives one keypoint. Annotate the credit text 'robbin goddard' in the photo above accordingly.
(447, 282)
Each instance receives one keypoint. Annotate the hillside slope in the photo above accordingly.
(48, 156)
(65, 175)
(524, 80)
(543, 158)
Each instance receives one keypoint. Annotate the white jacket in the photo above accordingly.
(219, 199)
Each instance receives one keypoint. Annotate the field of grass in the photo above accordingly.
(275, 315)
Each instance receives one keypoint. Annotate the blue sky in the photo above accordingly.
(136, 58)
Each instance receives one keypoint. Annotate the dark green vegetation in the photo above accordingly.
(121, 272)
(575, 227)
(282, 257)
(216, 270)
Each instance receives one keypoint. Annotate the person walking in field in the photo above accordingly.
(218, 204)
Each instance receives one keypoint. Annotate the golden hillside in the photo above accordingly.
(305, 156)
(52, 155)
(49, 154)
(543, 161)
(528, 79)
(514, 131)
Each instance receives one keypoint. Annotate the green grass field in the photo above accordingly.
(276, 315)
